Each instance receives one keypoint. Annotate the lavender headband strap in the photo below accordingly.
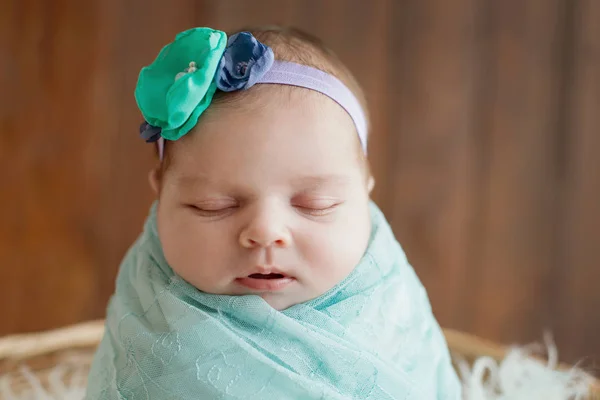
(288, 73)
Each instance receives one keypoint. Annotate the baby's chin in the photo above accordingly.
(280, 301)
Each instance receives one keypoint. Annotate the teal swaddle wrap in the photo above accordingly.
(373, 336)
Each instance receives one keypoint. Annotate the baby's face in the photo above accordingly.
(267, 198)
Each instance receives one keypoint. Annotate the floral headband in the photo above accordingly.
(179, 85)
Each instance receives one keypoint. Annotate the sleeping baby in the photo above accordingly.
(264, 270)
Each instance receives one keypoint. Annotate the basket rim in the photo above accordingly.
(28, 345)
(20, 347)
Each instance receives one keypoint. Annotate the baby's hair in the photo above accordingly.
(294, 45)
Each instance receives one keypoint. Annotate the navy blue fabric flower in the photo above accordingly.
(244, 62)
(149, 133)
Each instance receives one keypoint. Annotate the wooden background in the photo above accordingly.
(485, 148)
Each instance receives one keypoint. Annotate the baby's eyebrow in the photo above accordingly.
(303, 183)
(192, 180)
(323, 180)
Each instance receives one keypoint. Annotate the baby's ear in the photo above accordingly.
(370, 184)
(154, 177)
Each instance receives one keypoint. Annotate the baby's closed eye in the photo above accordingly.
(213, 207)
(309, 204)
(316, 205)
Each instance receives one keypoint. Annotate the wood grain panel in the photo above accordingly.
(577, 299)
(510, 281)
(432, 144)
(46, 262)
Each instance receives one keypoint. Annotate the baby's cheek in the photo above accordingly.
(333, 255)
(193, 254)
(353, 241)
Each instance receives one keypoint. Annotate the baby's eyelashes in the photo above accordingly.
(219, 212)
(316, 206)
(213, 207)
(317, 212)
(216, 204)
(315, 203)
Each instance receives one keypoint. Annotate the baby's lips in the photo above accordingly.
(267, 276)
(265, 285)
(267, 270)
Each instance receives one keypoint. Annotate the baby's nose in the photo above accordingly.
(251, 243)
(265, 234)
(252, 238)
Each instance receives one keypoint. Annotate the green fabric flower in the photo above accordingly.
(179, 85)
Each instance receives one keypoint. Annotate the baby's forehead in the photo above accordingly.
(252, 159)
